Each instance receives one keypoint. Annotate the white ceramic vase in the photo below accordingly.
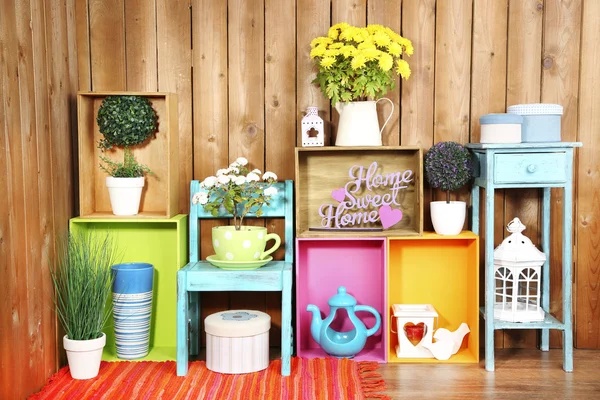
(125, 194)
(358, 124)
(84, 356)
(448, 218)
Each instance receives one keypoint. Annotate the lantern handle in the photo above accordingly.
(515, 226)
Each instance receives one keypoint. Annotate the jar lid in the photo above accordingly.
(342, 299)
(237, 323)
(517, 249)
(535, 109)
(500, 119)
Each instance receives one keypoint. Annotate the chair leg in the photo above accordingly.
(194, 321)
(286, 323)
(182, 324)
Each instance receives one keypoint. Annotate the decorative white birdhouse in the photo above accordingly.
(415, 324)
(517, 272)
(312, 128)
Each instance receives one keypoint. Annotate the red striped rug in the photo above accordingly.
(320, 378)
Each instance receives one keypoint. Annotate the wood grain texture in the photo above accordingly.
(488, 95)
(313, 16)
(246, 50)
(560, 85)
(525, 21)
(107, 44)
(174, 59)
(82, 31)
(353, 12)
(388, 13)
(417, 103)
(280, 121)
(587, 225)
(46, 220)
(140, 45)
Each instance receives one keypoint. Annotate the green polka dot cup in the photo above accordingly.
(247, 244)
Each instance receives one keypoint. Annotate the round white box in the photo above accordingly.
(237, 341)
(501, 128)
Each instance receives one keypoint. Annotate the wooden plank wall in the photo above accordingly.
(38, 82)
(243, 76)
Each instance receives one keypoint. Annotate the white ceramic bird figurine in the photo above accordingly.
(457, 336)
(441, 349)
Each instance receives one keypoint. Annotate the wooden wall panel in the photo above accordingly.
(280, 120)
(174, 56)
(107, 44)
(525, 23)
(586, 224)
(388, 13)
(38, 68)
(488, 95)
(560, 85)
(140, 46)
(313, 16)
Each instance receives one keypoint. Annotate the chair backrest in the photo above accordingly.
(280, 206)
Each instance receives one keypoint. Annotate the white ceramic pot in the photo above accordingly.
(448, 218)
(84, 356)
(125, 194)
(358, 124)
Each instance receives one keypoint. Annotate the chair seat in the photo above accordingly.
(203, 276)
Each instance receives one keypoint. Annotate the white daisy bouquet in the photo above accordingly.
(357, 64)
(238, 190)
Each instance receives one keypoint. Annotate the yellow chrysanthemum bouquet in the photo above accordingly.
(359, 63)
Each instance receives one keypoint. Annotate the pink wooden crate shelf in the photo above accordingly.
(324, 264)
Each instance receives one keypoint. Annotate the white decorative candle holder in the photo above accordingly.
(410, 315)
(312, 128)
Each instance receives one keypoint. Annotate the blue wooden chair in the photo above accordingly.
(201, 276)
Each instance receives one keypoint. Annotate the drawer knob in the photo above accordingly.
(531, 168)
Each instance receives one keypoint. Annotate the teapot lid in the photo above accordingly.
(342, 299)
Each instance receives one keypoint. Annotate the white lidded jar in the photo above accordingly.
(501, 128)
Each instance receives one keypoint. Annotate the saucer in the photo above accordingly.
(237, 265)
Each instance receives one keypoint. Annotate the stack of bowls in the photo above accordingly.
(132, 309)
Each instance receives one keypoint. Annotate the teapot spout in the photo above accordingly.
(316, 323)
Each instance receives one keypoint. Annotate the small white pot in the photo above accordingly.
(84, 356)
(125, 194)
(448, 218)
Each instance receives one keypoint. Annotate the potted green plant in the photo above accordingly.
(356, 68)
(125, 121)
(82, 281)
(239, 191)
(448, 166)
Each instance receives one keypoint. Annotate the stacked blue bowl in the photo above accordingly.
(132, 308)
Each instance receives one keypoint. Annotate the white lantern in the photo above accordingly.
(414, 322)
(312, 128)
(517, 272)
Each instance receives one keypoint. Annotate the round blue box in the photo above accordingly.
(541, 122)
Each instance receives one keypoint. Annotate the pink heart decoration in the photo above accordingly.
(339, 194)
(389, 216)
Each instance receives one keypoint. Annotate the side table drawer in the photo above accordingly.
(530, 168)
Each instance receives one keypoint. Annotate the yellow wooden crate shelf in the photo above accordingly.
(442, 271)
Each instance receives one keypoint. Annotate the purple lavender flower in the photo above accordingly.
(448, 166)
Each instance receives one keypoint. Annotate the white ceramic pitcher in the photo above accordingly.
(358, 123)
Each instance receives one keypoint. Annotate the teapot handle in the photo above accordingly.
(389, 116)
(373, 311)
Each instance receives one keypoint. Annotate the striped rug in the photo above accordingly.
(320, 378)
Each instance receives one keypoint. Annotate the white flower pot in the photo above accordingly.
(448, 218)
(125, 194)
(84, 356)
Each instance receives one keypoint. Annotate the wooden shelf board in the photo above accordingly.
(464, 356)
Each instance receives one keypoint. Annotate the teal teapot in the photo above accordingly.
(342, 344)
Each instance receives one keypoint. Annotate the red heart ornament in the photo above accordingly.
(415, 333)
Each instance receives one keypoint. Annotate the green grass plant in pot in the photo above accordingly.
(239, 191)
(448, 166)
(125, 121)
(82, 280)
(356, 68)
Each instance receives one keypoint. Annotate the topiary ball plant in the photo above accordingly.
(448, 166)
(126, 121)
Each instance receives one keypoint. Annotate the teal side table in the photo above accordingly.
(527, 165)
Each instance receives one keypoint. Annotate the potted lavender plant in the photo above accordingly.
(448, 166)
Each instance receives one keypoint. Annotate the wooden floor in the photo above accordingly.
(520, 374)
